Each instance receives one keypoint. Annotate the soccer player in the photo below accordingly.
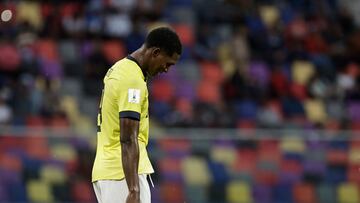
(122, 164)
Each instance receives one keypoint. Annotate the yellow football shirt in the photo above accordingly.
(125, 94)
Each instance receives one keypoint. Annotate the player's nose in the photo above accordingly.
(165, 70)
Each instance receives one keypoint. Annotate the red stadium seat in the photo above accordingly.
(59, 122)
(290, 165)
(69, 9)
(175, 146)
(245, 161)
(248, 125)
(37, 147)
(353, 69)
(9, 142)
(185, 33)
(304, 193)
(299, 91)
(47, 49)
(332, 125)
(212, 72)
(279, 82)
(266, 177)
(82, 191)
(355, 144)
(10, 162)
(162, 90)
(113, 50)
(315, 43)
(172, 192)
(337, 157)
(208, 92)
(35, 121)
(353, 173)
(355, 125)
(185, 107)
(269, 150)
(10, 57)
(170, 165)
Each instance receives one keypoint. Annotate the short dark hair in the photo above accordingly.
(164, 38)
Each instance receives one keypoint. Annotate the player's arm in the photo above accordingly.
(129, 130)
(130, 97)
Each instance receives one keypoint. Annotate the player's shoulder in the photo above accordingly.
(124, 73)
(124, 68)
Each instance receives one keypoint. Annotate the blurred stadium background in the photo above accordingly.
(263, 107)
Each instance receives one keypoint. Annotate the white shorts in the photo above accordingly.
(116, 191)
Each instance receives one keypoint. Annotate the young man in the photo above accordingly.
(122, 164)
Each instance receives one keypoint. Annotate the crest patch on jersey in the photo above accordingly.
(134, 96)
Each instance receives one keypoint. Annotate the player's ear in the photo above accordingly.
(156, 51)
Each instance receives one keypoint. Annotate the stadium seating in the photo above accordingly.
(348, 192)
(191, 164)
(302, 172)
(326, 193)
(238, 192)
(252, 65)
(39, 191)
(304, 193)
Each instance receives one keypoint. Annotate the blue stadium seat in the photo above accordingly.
(262, 193)
(219, 172)
(282, 193)
(335, 174)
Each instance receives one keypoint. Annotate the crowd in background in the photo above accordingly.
(245, 63)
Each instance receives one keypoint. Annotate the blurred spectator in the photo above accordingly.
(5, 110)
(253, 63)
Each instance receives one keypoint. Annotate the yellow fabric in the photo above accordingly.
(70, 106)
(39, 191)
(302, 71)
(315, 111)
(292, 144)
(52, 174)
(63, 152)
(348, 193)
(225, 155)
(123, 76)
(269, 15)
(29, 11)
(238, 192)
(354, 156)
(189, 167)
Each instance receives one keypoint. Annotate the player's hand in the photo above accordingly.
(133, 197)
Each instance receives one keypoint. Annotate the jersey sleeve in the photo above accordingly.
(130, 98)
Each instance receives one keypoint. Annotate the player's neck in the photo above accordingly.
(138, 55)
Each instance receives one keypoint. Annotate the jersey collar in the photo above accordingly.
(134, 60)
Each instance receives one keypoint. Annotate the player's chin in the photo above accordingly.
(151, 75)
(156, 74)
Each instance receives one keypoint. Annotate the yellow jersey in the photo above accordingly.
(125, 95)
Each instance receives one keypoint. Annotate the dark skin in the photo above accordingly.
(152, 62)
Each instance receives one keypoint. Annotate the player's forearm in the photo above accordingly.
(130, 161)
(130, 152)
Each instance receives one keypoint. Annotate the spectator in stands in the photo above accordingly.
(5, 110)
(271, 52)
